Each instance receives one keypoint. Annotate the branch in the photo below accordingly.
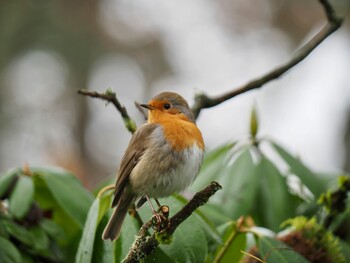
(111, 97)
(202, 101)
(145, 245)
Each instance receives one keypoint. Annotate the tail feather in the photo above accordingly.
(112, 230)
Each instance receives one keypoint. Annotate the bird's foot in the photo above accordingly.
(161, 221)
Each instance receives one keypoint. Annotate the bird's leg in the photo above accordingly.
(150, 204)
(163, 212)
(161, 215)
(155, 213)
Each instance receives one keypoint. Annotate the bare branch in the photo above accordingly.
(110, 97)
(145, 245)
(203, 101)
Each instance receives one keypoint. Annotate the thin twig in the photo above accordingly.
(203, 101)
(111, 97)
(252, 256)
(145, 245)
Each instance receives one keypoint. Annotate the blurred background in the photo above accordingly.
(50, 49)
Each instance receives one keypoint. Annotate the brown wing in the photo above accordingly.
(138, 145)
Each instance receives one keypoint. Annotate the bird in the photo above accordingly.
(163, 157)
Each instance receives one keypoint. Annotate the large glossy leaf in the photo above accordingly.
(85, 249)
(41, 240)
(274, 203)
(229, 251)
(19, 233)
(8, 252)
(159, 256)
(61, 202)
(21, 198)
(204, 215)
(48, 202)
(310, 179)
(345, 249)
(27, 258)
(6, 179)
(189, 243)
(34, 238)
(52, 229)
(104, 251)
(67, 191)
(214, 162)
(214, 213)
(127, 237)
(239, 183)
(274, 251)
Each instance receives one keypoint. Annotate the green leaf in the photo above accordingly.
(274, 251)
(6, 179)
(26, 258)
(239, 187)
(274, 203)
(94, 217)
(41, 239)
(189, 243)
(254, 123)
(3, 225)
(43, 194)
(159, 256)
(206, 223)
(52, 229)
(104, 251)
(214, 162)
(214, 213)
(47, 202)
(307, 177)
(67, 211)
(345, 249)
(8, 252)
(21, 198)
(85, 249)
(35, 238)
(232, 244)
(67, 191)
(105, 205)
(19, 233)
(127, 236)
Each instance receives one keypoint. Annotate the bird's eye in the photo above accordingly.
(167, 106)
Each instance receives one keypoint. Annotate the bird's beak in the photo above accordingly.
(147, 106)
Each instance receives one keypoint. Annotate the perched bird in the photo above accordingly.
(163, 157)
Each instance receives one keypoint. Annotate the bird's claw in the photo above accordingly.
(160, 218)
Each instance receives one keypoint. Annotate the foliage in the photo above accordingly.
(43, 211)
(46, 215)
(317, 236)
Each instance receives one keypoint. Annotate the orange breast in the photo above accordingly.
(179, 132)
(182, 134)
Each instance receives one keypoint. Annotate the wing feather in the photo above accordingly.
(139, 143)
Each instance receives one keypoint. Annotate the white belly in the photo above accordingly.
(160, 175)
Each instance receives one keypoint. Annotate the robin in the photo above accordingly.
(163, 157)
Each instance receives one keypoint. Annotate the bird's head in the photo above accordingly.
(165, 103)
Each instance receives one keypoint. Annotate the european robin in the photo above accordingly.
(163, 157)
